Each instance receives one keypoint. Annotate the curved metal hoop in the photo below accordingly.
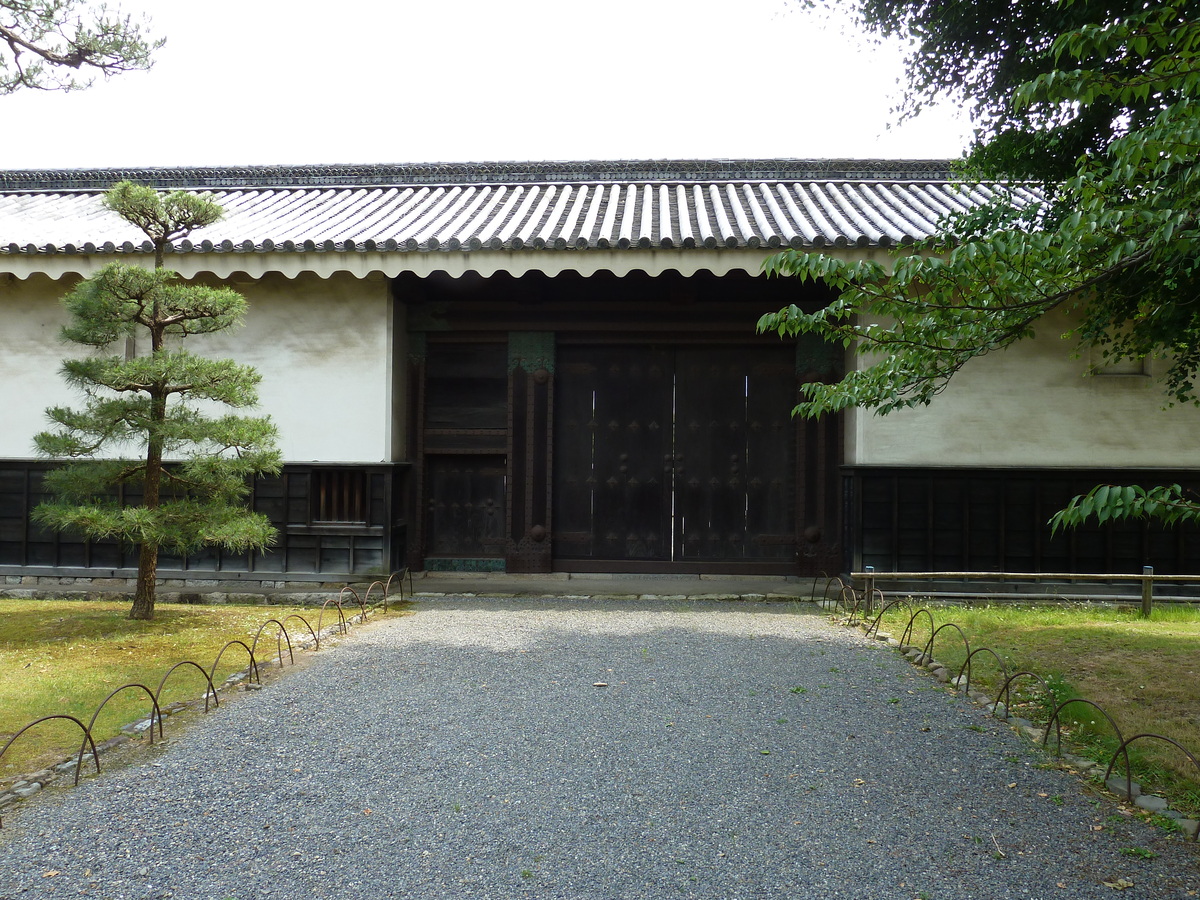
(341, 615)
(1004, 691)
(875, 594)
(851, 608)
(155, 713)
(966, 666)
(899, 601)
(822, 598)
(825, 592)
(258, 634)
(1056, 721)
(908, 629)
(357, 599)
(212, 673)
(212, 691)
(1128, 776)
(315, 636)
(962, 634)
(87, 735)
(387, 588)
(817, 578)
(367, 594)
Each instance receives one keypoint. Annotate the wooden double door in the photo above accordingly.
(674, 456)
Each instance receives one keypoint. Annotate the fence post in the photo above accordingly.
(1147, 590)
(869, 605)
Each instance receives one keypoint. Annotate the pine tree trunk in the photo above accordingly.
(147, 580)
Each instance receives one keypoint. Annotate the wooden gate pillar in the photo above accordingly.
(819, 454)
(415, 451)
(530, 440)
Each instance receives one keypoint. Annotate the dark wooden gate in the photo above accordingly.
(675, 455)
(466, 506)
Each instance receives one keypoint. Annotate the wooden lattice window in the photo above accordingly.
(339, 496)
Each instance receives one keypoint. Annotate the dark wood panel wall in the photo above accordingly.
(996, 520)
(334, 521)
(819, 504)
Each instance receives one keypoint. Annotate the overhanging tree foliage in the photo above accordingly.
(63, 44)
(1116, 245)
(156, 404)
(978, 54)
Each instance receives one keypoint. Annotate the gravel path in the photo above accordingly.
(737, 751)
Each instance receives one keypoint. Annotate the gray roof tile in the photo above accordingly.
(557, 206)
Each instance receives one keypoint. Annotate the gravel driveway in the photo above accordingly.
(746, 750)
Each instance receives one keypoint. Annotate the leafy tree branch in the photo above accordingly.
(64, 44)
(1114, 244)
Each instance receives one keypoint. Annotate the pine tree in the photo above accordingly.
(143, 426)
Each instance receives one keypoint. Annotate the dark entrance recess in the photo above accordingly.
(466, 506)
(675, 455)
(631, 423)
(464, 446)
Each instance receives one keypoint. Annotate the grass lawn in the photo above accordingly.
(1144, 672)
(66, 656)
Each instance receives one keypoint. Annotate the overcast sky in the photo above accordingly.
(381, 81)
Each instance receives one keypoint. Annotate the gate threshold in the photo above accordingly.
(612, 585)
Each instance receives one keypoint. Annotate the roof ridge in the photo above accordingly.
(351, 175)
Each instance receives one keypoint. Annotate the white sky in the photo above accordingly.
(382, 81)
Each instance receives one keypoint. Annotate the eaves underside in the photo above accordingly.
(378, 264)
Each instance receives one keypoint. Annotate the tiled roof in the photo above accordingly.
(509, 206)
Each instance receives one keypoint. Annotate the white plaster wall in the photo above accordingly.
(31, 355)
(323, 349)
(398, 352)
(1033, 405)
